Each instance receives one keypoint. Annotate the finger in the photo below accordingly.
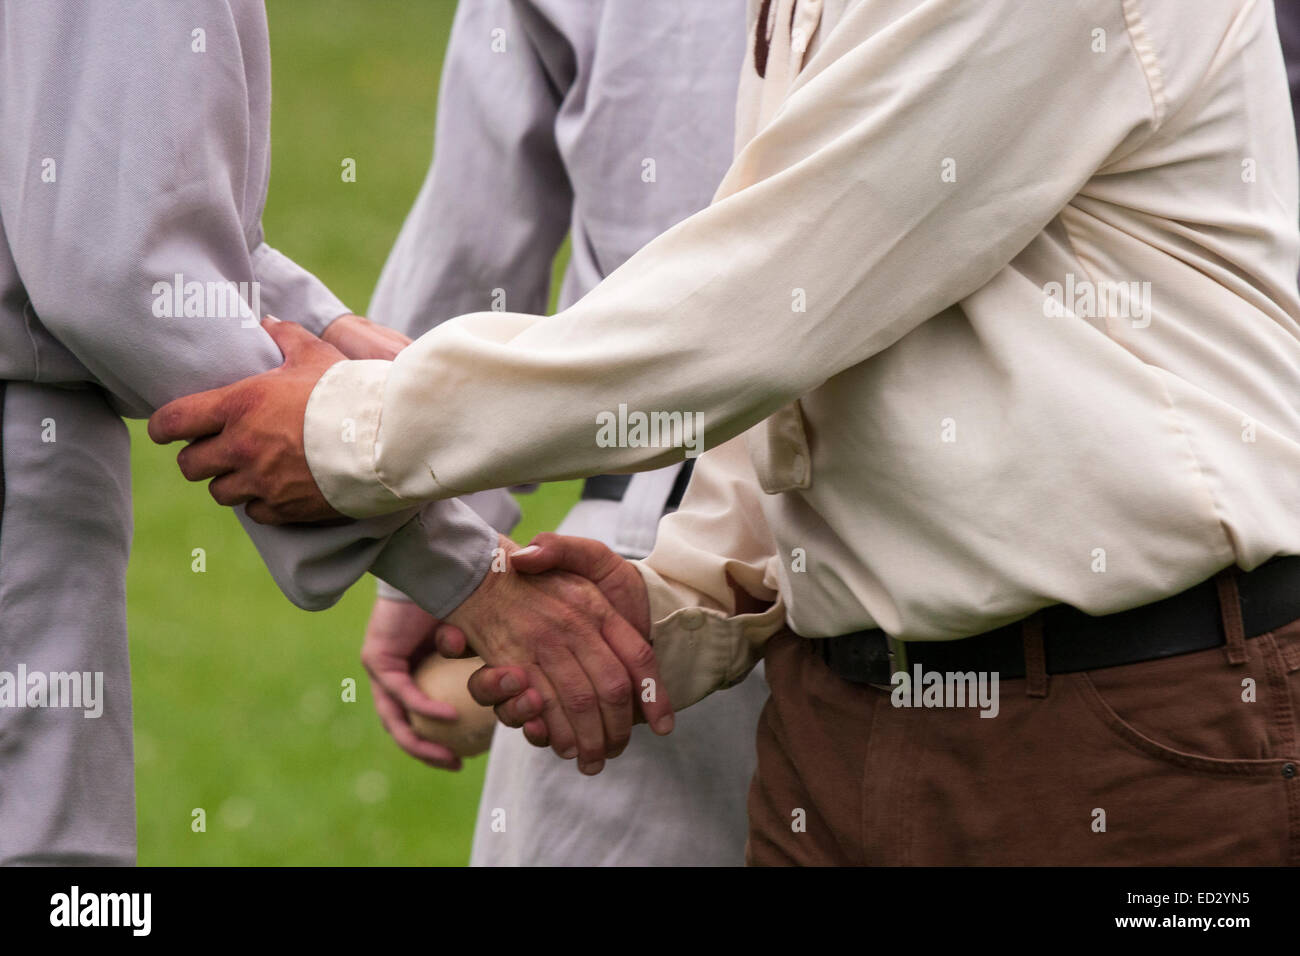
(535, 733)
(520, 710)
(205, 458)
(395, 722)
(491, 686)
(228, 489)
(263, 513)
(292, 339)
(560, 733)
(614, 692)
(193, 416)
(580, 703)
(613, 689)
(638, 659)
(582, 556)
(402, 686)
(451, 642)
(495, 687)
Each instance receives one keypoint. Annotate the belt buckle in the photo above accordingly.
(897, 656)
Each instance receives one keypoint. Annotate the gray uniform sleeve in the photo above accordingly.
(495, 206)
(496, 203)
(133, 173)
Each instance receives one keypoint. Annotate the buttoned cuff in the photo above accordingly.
(700, 650)
(439, 557)
(340, 435)
(497, 508)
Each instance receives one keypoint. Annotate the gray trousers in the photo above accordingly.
(66, 779)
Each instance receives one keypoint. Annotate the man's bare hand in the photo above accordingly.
(398, 637)
(619, 583)
(247, 437)
(359, 338)
(579, 655)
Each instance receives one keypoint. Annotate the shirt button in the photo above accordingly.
(1288, 770)
(800, 468)
(693, 619)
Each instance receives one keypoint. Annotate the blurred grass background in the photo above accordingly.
(238, 695)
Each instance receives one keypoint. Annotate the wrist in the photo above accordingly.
(489, 589)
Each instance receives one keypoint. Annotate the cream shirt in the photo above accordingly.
(995, 309)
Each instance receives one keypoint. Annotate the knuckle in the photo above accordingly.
(506, 714)
(242, 450)
(617, 691)
(642, 658)
(591, 751)
(580, 702)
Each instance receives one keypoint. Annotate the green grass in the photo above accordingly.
(238, 701)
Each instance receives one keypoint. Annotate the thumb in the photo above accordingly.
(450, 641)
(582, 556)
(291, 337)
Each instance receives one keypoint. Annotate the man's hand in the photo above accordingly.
(398, 636)
(248, 436)
(618, 582)
(581, 658)
(359, 338)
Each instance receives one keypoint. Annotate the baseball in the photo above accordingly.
(444, 680)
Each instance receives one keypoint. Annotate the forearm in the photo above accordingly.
(822, 250)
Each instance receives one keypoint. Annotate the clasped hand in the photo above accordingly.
(564, 629)
(566, 623)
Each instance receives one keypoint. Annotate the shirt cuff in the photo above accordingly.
(700, 650)
(439, 557)
(497, 508)
(341, 434)
(291, 293)
(386, 592)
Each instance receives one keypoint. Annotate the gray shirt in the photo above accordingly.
(133, 174)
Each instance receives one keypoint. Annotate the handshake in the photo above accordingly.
(561, 626)
(561, 629)
(555, 640)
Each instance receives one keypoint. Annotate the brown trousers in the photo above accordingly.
(1189, 760)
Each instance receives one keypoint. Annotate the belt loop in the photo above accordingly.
(1035, 658)
(1230, 610)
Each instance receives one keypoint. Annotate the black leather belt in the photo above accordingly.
(1074, 641)
(614, 487)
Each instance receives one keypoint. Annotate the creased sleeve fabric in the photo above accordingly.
(839, 196)
(132, 179)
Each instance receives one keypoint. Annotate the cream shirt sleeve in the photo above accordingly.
(715, 548)
(913, 158)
